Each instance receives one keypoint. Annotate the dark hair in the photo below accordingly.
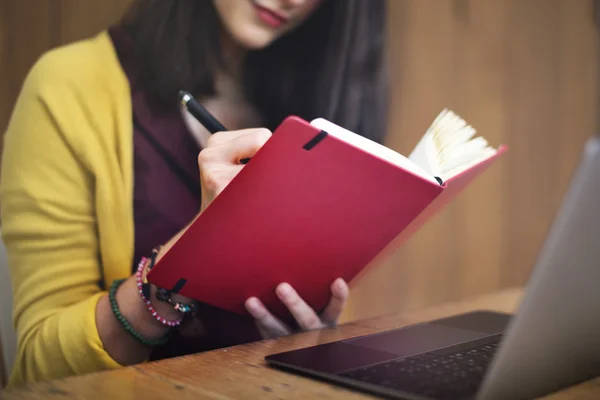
(332, 66)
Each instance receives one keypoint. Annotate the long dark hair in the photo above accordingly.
(332, 66)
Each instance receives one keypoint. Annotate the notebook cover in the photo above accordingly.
(305, 210)
(452, 188)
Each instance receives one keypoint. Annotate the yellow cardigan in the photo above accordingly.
(66, 190)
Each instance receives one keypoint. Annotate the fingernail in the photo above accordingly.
(284, 290)
(253, 304)
(339, 284)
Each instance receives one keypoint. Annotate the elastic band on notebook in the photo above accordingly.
(179, 285)
(314, 141)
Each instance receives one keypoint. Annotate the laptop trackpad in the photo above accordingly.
(416, 339)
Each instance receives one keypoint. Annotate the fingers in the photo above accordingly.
(219, 138)
(219, 162)
(267, 323)
(339, 298)
(305, 316)
(215, 177)
(246, 146)
(230, 147)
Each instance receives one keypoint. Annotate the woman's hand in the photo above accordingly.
(219, 161)
(305, 316)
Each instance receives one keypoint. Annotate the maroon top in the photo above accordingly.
(166, 199)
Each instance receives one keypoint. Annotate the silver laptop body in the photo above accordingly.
(553, 341)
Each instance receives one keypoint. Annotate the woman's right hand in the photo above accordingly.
(219, 161)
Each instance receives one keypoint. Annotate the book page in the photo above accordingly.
(424, 155)
(448, 147)
(372, 147)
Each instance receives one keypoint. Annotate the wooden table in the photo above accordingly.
(240, 372)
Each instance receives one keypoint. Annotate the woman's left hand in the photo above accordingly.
(305, 316)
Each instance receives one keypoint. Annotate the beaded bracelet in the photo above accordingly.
(146, 297)
(163, 294)
(115, 308)
(145, 283)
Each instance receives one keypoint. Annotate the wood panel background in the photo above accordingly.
(523, 72)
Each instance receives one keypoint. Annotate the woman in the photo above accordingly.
(100, 167)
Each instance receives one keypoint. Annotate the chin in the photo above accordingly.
(254, 37)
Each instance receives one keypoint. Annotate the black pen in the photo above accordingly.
(203, 116)
(200, 113)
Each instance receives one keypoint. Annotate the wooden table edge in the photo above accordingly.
(241, 370)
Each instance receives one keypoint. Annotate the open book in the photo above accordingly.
(445, 150)
(315, 203)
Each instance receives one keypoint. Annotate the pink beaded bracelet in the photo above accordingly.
(156, 315)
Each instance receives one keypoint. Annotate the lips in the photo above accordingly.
(270, 17)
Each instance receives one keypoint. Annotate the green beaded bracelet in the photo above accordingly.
(115, 308)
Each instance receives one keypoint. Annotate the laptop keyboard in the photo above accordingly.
(447, 374)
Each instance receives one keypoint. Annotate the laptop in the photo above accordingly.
(552, 342)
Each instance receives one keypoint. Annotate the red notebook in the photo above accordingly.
(315, 203)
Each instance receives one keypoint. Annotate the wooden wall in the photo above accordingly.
(523, 72)
(30, 27)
